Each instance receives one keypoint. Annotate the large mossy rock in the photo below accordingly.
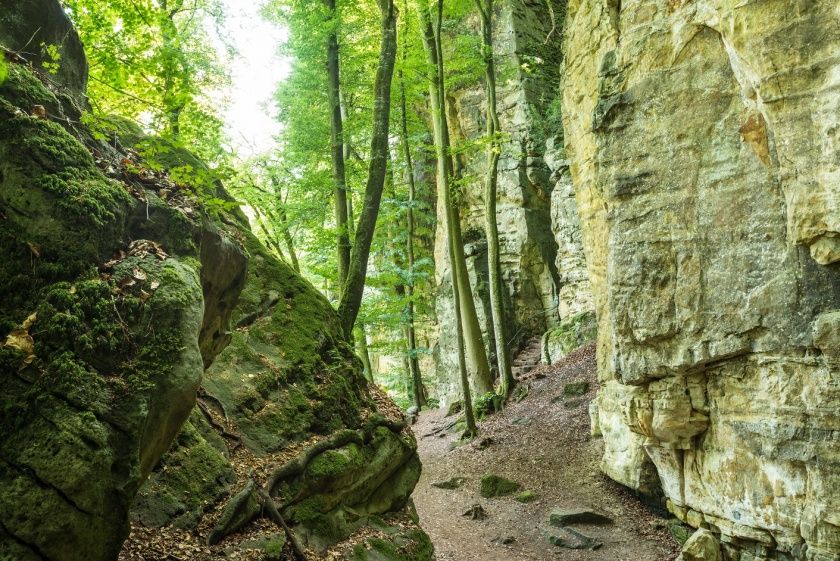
(287, 382)
(100, 362)
(40, 32)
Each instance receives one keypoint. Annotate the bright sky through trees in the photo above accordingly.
(250, 117)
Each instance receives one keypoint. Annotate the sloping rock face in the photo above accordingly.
(703, 143)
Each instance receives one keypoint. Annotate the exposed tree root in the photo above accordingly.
(218, 426)
(204, 394)
(274, 514)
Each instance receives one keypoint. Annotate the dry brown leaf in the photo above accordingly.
(139, 274)
(39, 111)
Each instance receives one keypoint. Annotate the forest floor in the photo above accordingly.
(543, 443)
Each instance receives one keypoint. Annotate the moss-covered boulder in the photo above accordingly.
(572, 333)
(100, 357)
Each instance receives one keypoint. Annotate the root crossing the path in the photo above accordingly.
(543, 443)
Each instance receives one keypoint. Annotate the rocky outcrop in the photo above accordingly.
(120, 290)
(702, 136)
(102, 318)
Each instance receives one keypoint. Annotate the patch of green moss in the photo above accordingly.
(526, 497)
(572, 333)
(497, 486)
(488, 404)
(191, 472)
(62, 216)
(335, 462)
(410, 545)
(312, 514)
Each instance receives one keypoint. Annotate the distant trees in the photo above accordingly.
(154, 61)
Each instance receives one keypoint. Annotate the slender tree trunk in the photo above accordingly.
(351, 297)
(337, 146)
(411, 332)
(363, 351)
(288, 239)
(432, 44)
(479, 368)
(485, 9)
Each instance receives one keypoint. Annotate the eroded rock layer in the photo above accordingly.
(703, 139)
(542, 283)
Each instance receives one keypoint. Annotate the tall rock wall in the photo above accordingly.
(703, 139)
(542, 282)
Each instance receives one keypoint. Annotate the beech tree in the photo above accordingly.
(485, 10)
(431, 23)
(351, 295)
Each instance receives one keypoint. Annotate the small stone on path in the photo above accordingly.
(497, 486)
(572, 539)
(476, 512)
(451, 483)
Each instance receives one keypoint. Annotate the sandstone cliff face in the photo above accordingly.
(703, 143)
(541, 282)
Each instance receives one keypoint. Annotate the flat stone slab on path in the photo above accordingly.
(561, 517)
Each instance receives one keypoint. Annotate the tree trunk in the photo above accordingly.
(351, 297)
(363, 351)
(337, 147)
(479, 368)
(432, 45)
(288, 239)
(411, 332)
(269, 237)
(485, 8)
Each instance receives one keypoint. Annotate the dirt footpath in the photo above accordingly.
(543, 443)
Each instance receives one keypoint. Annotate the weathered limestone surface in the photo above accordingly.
(703, 140)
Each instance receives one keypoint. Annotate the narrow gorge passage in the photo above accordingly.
(542, 443)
